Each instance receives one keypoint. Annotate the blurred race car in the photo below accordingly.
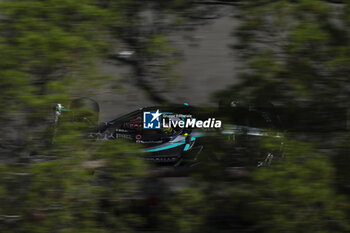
(239, 136)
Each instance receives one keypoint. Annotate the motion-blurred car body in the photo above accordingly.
(242, 128)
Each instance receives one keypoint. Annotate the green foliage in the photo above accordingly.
(294, 194)
(49, 50)
(47, 41)
(80, 189)
(297, 195)
(48, 53)
(184, 212)
(294, 50)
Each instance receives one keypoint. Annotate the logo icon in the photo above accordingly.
(151, 120)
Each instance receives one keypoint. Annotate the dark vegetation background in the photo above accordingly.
(292, 53)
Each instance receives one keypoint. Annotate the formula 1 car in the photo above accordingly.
(184, 145)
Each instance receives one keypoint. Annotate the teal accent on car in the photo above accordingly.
(198, 136)
(187, 147)
(166, 147)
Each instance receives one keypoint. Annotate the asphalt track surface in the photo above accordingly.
(209, 65)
